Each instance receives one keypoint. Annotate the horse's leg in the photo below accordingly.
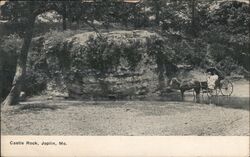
(197, 96)
(194, 95)
(182, 94)
(202, 94)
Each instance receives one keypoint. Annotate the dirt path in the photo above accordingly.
(241, 88)
(132, 118)
(125, 118)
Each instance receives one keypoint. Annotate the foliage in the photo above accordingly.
(229, 66)
(10, 45)
(228, 32)
(71, 53)
(35, 82)
(102, 55)
(133, 53)
(163, 54)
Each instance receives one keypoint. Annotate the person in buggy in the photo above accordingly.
(214, 77)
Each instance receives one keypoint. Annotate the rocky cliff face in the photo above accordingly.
(120, 81)
(122, 84)
(116, 65)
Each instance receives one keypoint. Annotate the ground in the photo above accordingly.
(131, 118)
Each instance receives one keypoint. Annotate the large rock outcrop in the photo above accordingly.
(114, 65)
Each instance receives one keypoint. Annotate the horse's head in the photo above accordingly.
(175, 83)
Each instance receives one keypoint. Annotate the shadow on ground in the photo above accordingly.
(34, 107)
(53, 105)
(223, 101)
(231, 102)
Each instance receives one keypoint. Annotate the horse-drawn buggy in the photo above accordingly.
(219, 86)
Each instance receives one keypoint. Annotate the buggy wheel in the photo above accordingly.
(226, 87)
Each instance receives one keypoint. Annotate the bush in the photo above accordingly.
(35, 82)
(101, 55)
(227, 31)
(229, 66)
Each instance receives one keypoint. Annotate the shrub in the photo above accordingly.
(102, 55)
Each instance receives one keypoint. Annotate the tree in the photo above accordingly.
(1, 78)
(227, 30)
(25, 13)
(193, 18)
(164, 58)
(28, 20)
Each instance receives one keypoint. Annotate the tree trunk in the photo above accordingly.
(69, 16)
(13, 97)
(157, 13)
(64, 23)
(1, 76)
(64, 14)
(161, 80)
(161, 70)
(194, 22)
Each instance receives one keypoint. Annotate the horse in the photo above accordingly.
(184, 85)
